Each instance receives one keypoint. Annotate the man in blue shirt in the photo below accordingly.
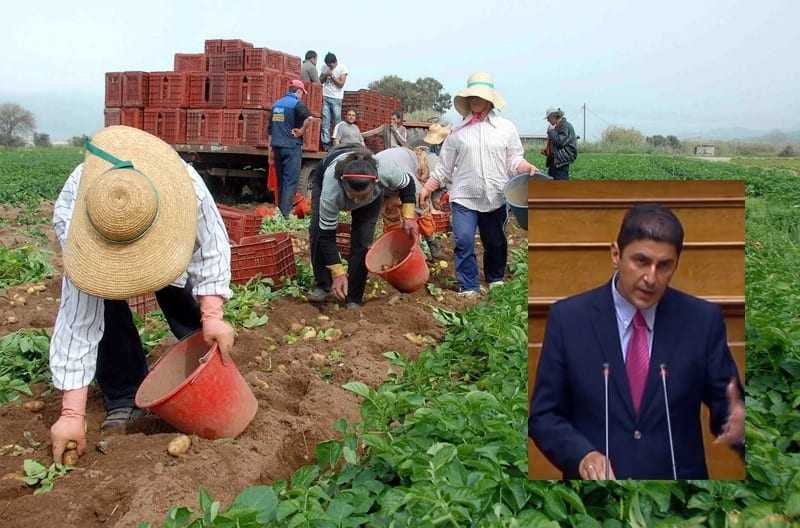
(286, 128)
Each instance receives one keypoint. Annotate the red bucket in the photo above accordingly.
(399, 260)
(195, 391)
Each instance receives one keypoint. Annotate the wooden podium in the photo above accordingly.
(570, 229)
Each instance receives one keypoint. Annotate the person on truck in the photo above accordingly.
(333, 76)
(308, 70)
(398, 134)
(347, 131)
(132, 218)
(351, 178)
(286, 128)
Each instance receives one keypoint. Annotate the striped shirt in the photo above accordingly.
(477, 161)
(80, 321)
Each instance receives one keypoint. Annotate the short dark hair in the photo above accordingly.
(360, 161)
(311, 54)
(330, 58)
(398, 115)
(650, 222)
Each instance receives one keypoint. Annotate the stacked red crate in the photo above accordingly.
(251, 89)
(239, 223)
(213, 46)
(189, 62)
(134, 88)
(270, 256)
(133, 117)
(234, 44)
(168, 90)
(215, 62)
(114, 89)
(245, 127)
(113, 116)
(167, 123)
(207, 90)
(311, 135)
(314, 98)
(234, 60)
(291, 66)
(204, 126)
(255, 59)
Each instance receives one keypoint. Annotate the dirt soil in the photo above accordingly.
(298, 388)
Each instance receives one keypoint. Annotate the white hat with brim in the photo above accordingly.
(134, 224)
(479, 84)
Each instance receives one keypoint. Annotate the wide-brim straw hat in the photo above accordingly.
(436, 134)
(479, 84)
(133, 228)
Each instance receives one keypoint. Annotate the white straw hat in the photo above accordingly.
(479, 84)
(134, 224)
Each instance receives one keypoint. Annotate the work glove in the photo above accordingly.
(339, 286)
(71, 425)
(215, 330)
(410, 225)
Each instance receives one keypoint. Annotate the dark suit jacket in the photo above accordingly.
(567, 408)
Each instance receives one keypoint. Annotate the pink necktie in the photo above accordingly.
(637, 362)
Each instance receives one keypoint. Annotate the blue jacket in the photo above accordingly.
(288, 112)
(567, 409)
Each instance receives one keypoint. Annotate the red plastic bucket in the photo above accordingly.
(399, 260)
(192, 389)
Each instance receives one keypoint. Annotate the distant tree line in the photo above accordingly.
(424, 94)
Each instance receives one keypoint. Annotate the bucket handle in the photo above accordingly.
(224, 358)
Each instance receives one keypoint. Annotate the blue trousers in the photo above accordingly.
(331, 115)
(491, 226)
(287, 169)
(559, 173)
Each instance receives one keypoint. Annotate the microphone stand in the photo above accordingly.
(605, 382)
(669, 422)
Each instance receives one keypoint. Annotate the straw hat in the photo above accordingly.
(479, 84)
(134, 224)
(436, 134)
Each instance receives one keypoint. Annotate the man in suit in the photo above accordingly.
(627, 330)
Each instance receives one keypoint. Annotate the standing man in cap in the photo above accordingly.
(563, 144)
(477, 160)
(133, 218)
(286, 128)
(351, 179)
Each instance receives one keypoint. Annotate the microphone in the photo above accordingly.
(669, 422)
(605, 381)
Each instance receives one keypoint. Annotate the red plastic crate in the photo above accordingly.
(168, 90)
(234, 44)
(375, 144)
(204, 126)
(143, 304)
(213, 46)
(133, 117)
(275, 60)
(234, 60)
(245, 127)
(314, 98)
(206, 90)
(343, 239)
(252, 89)
(114, 89)
(167, 123)
(215, 62)
(113, 116)
(255, 59)
(441, 222)
(189, 62)
(270, 256)
(291, 65)
(134, 88)
(239, 223)
(311, 135)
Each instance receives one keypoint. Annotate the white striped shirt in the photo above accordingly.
(476, 162)
(80, 321)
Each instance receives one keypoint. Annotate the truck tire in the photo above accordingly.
(304, 180)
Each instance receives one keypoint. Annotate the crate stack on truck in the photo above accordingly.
(222, 96)
(373, 109)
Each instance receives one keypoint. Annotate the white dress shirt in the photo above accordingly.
(476, 162)
(80, 322)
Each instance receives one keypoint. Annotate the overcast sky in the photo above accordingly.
(681, 67)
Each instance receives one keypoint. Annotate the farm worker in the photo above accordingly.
(132, 218)
(416, 164)
(333, 76)
(562, 143)
(286, 128)
(433, 140)
(351, 178)
(347, 131)
(308, 70)
(398, 134)
(633, 330)
(476, 161)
